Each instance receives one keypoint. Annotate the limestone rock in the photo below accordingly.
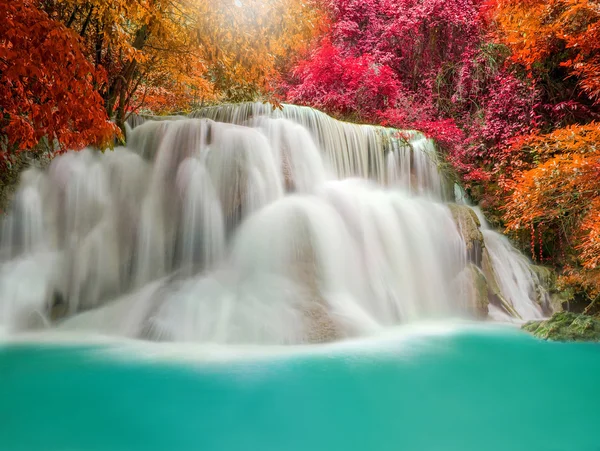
(320, 325)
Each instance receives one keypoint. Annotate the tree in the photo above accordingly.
(338, 83)
(553, 192)
(421, 44)
(47, 86)
(556, 42)
(190, 51)
(559, 198)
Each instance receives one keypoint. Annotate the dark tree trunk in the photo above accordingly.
(120, 87)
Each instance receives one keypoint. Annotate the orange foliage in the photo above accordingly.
(182, 51)
(536, 30)
(584, 282)
(590, 245)
(47, 86)
(562, 194)
(574, 139)
(520, 25)
(554, 180)
(554, 191)
(581, 32)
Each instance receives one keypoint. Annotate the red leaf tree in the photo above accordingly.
(421, 64)
(47, 86)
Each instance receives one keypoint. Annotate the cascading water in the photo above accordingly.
(244, 224)
(516, 279)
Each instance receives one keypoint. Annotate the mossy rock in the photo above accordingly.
(566, 326)
(546, 275)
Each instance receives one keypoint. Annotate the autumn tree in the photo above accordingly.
(179, 52)
(47, 86)
(557, 44)
(557, 203)
(422, 43)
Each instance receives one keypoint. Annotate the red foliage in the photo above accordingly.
(413, 37)
(47, 87)
(509, 108)
(421, 64)
(411, 48)
(344, 84)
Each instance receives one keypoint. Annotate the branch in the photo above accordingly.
(87, 22)
(73, 16)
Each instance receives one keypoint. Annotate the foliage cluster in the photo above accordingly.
(44, 73)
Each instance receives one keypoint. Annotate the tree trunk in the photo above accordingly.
(87, 22)
(121, 84)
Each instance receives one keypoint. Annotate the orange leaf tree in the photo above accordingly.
(47, 86)
(552, 38)
(175, 53)
(560, 197)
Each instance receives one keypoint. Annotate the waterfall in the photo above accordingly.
(513, 272)
(248, 224)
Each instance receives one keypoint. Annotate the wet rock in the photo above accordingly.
(468, 226)
(320, 326)
(59, 308)
(481, 300)
(15, 165)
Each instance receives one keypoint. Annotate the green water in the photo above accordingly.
(472, 390)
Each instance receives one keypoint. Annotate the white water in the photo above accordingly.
(517, 281)
(267, 227)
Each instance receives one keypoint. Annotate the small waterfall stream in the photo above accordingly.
(244, 224)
